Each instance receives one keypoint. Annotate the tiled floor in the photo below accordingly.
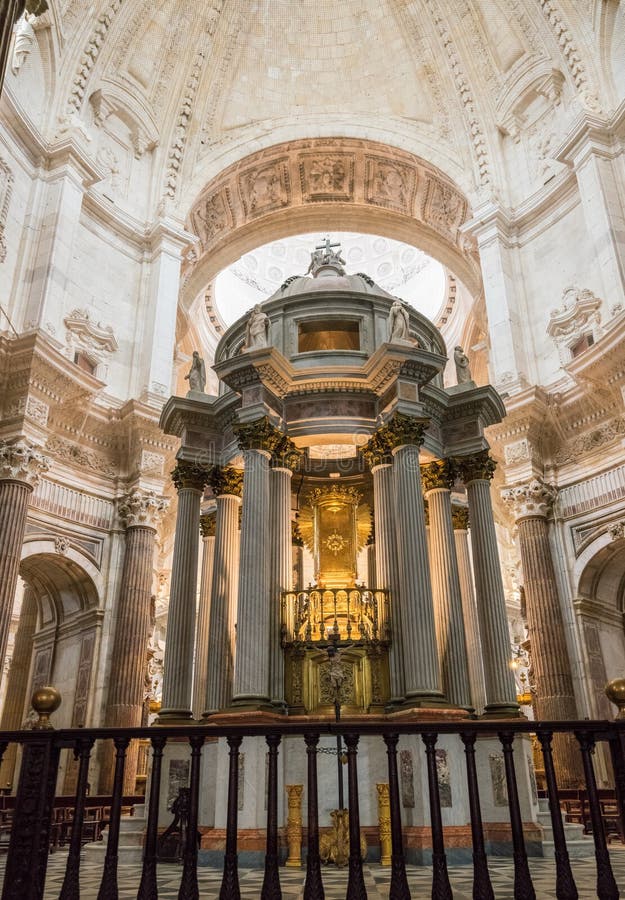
(335, 881)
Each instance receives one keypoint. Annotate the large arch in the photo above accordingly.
(307, 185)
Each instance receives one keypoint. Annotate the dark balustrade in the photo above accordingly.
(33, 807)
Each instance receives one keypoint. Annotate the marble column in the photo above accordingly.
(438, 479)
(417, 632)
(281, 572)
(554, 695)
(190, 480)
(297, 550)
(226, 483)
(476, 472)
(21, 464)
(378, 456)
(13, 711)
(141, 513)
(460, 520)
(253, 628)
(372, 575)
(202, 629)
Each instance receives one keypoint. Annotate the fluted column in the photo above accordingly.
(190, 480)
(251, 666)
(281, 573)
(460, 520)
(438, 479)
(372, 575)
(554, 697)
(476, 472)
(21, 464)
(378, 455)
(416, 608)
(202, 629)
(17, 686)
(297, 550)
(226, 484)
(140, 512)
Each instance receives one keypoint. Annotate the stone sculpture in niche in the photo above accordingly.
(24, 40)
(463, 372)
(399, 324)
(197, 374)
(257, 330)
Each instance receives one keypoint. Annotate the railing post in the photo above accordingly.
(617, 753)
(523, 887)
(230, 881)
(27, 858)
(356, 889)
(148, 888)
(565, 883)
(482, 887)
(441, 888)
(71, 886)
(399, 883)
(108, 886)
(271, 882)
(313, 887)
(189, 889)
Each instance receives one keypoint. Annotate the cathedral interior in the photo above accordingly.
(312, 446)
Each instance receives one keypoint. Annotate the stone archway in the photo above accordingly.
(309, 185)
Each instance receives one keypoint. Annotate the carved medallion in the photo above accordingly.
(265, 188)
(211, 216)
(327, 177)
(390, 184)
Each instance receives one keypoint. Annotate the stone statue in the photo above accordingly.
(257, 330)
(197, 374)
(398, 324)
(24, 40)
(463, 372)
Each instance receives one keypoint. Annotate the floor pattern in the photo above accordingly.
(335, 881)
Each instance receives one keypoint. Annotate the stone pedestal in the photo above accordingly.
(190, 481)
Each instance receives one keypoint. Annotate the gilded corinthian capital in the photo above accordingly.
(190, 475)
(226, 480)
(460, 517)
(258, 435)
(142, 508)
(478, 467)
(438, 474)
(22, 461)
(533, 499)
(208, 521)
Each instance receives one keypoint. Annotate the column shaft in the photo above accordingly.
(221, 642)
(14, 499)
(387, 568)
(281, 574)
(251, 667)
(471, 624)
(448, 615)
(555, 698)
(202, 631)
(492, 615)
(178, 662)
(416, 614)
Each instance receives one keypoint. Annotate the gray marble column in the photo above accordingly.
(202, 628)
(438, 479)
(141, 513)
(476, 472)
(21, 464)
(554, 694)
(253, 627)
(416, 607)
(378, 455)
(281, 574)
(372, 575)
(460, 519)
(190, 481)
(227, 484)
(297, 550)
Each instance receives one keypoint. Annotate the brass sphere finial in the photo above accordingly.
(45, 701)
(615, 692)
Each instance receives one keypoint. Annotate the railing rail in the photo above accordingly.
(29, 842)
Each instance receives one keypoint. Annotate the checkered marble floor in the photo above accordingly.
(335, 881)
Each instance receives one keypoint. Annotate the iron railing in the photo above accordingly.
(27, 857)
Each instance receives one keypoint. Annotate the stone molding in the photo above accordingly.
(460, 517)
(531, 500)
(226, 480)
(479, 467)
(142, 509)
(190, 475)
(22, 461)
(440, 474)
(208, 522)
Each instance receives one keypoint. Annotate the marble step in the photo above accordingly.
(579, 845)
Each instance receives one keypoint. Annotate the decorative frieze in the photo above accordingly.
(6, 189)
(142, 508)
(21, 461)
(532, 499)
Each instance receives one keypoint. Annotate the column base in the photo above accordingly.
(502, 711)
(174, 717)
(429, 701)
(251, 704)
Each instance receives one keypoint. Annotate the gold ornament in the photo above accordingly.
(384, 823)
(45, 701)
(294, 825)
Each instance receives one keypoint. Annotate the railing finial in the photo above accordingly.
(615, 692)
(45, 701)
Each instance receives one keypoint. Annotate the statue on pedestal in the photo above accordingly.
(257, 330)
(24, 40)
(399, 324)
(463, 372)
(197, 374)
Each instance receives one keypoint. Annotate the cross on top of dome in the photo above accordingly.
(324, 260)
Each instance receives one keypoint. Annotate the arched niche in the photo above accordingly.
(341, 184)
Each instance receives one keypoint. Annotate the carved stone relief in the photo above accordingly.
(406, 778)
(212, 215)
(6, 189)
(327, 177)
(498, 779)
(265, 188)
(445, 208)
(444, 779)
(389, 184)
